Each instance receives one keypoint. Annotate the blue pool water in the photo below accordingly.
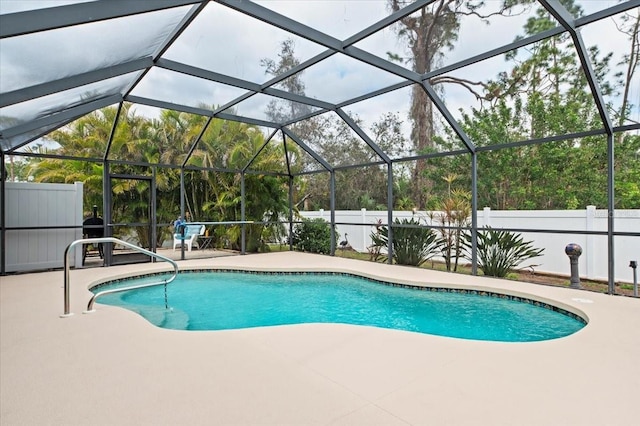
(232, 300)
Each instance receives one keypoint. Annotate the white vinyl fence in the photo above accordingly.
(593, 263)
(41, 205)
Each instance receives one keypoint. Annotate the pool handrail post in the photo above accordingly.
(67, 308)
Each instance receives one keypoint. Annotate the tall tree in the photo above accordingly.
(282, 110)
(428, 34)
(543, 95)
(629, 25)
(628, 145)
(356, 188)
(333, 140)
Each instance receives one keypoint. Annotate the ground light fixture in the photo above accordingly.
(574, 251)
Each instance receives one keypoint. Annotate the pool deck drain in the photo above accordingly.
(113, 367)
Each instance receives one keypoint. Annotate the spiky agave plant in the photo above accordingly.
(500, 251)
(412, 245)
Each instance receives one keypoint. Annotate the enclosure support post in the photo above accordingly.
(182, 195)
(390, 211)
(107, 190)
(611, 209)
(3, 239)
(290, 211)
(243, 237)
(106, 211)
(153, 215)
(332, 203)
(474, 213)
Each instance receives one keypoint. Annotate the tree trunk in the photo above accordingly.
(422, 137)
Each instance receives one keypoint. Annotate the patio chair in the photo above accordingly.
(191, 234)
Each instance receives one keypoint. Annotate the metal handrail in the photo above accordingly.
(67, 309)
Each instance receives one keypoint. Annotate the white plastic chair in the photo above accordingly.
(191, 234)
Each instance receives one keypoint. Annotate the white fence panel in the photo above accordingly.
(592, 264)
(41, 205)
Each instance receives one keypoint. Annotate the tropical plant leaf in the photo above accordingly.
(412, 245)
(500, 251)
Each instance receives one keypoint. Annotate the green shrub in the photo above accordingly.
(500, 251)
(312, 235)
(411, 246)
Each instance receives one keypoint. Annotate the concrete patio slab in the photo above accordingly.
(113, 367)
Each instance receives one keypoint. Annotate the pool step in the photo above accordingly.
(174, 319)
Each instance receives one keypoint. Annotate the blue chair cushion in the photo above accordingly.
(189, 231)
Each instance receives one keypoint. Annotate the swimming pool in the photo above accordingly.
(222, 300)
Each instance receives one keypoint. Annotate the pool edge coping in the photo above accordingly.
(479, 290)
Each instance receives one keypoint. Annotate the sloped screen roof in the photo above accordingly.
(61, 60)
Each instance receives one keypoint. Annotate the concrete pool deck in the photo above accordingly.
(112, 367)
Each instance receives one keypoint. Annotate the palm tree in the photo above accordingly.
(210, 195)
(232, 145)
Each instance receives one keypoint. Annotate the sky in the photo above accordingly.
(340, 77)
(335, 79)
(225, 41)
